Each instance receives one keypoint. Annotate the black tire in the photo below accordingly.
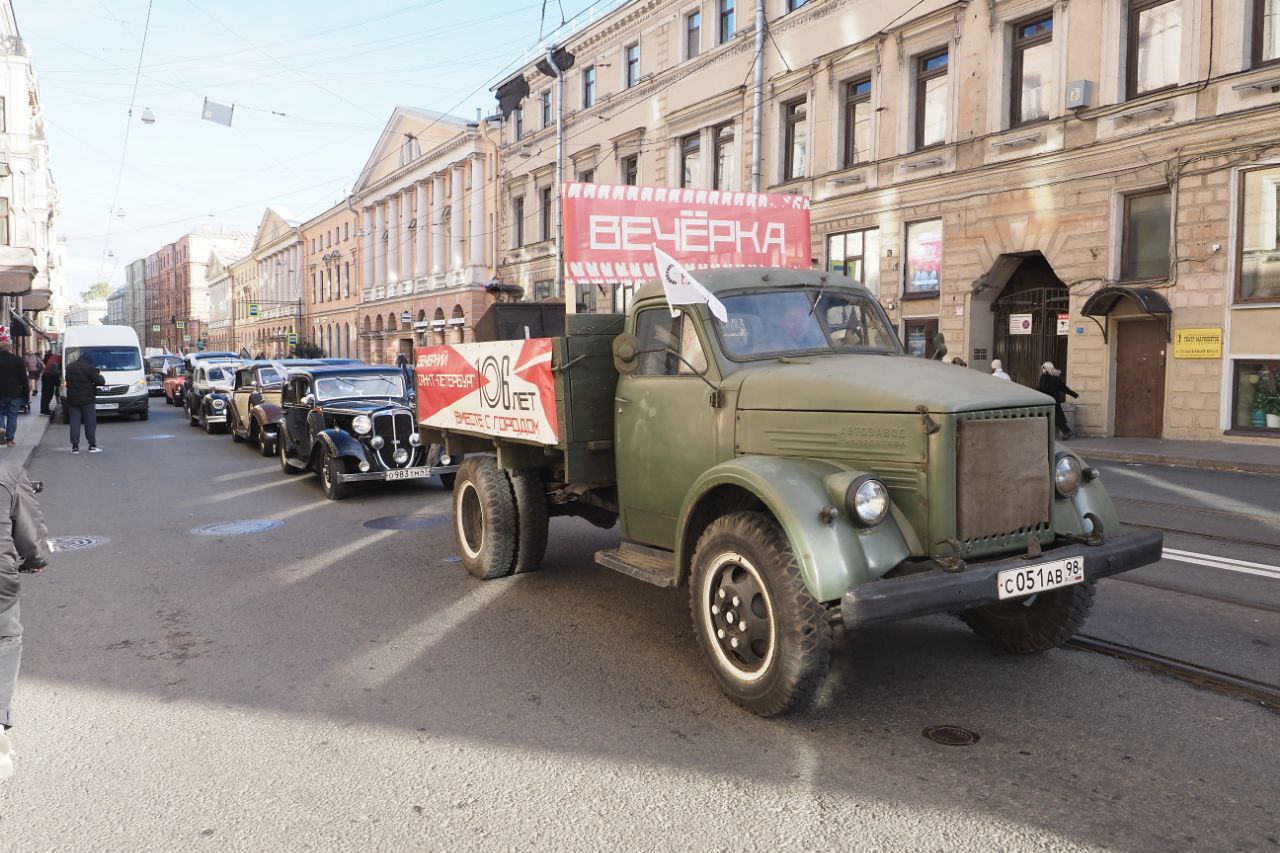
(209, 426)
(193, 418)
(776, 662)
(284, 464)
(145, 414)
(236, 437)
(1028, 626)
(484, 513)
(330, 468)
(532, 521)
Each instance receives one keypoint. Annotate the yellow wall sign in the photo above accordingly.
(1197, 343)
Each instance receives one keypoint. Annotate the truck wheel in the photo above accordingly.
(484, 513)
(330, 470)
(767, 639)
(531, 514)
(1034, 624)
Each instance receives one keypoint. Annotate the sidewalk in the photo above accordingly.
(30, 430)
(1210, 455)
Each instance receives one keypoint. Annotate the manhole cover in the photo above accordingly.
(76, 543)
(236, 528)
(951, 736)
(157, 437)
(406, 522)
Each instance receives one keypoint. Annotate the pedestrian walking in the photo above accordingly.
(14, 389)
(1052, 383)
(24, 547)
(33, 374)
(997, 370)
(49, 380)
(83, 379)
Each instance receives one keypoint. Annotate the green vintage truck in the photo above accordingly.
(796, 471)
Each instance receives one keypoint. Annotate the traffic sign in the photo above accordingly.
(293, 339)
(253, 309)
(155, 327)
(186, 339)
(181, 324)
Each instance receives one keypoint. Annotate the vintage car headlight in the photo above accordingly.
(415, 439)
(361, 424)
(1066, 475)
(867, 501)
(219, 405)
(401, 456)
(445, 459)
(376, 442)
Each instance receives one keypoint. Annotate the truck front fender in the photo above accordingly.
(832, 555)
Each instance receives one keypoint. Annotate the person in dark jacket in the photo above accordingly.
(24, 547)
(14, 390)
(49, 380)
(1052, 383)
(83, 380)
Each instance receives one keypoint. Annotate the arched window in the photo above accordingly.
(458, 327)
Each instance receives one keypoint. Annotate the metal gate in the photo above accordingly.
(1022, 354)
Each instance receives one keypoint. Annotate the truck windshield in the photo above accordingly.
(784, 322)
(108, 357)
(360, 385)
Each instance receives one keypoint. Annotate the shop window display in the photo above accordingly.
(1257, 396)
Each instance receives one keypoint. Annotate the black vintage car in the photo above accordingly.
(353, 423)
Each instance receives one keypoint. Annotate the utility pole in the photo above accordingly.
(757, 107)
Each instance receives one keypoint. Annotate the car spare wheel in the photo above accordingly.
(484, 515)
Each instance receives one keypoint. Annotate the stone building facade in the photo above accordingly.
(177, 291)
(1093, 184)
(427, 199)
(268, 302)
(331, 280)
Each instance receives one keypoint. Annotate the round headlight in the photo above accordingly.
(1066, 475)
(361, 424)
(401, 456)
(445, 459)
(867, 502)
(377, 442)
(415, 439)
(219, 404)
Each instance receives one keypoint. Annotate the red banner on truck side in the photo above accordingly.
(499, 388)
(610, 232)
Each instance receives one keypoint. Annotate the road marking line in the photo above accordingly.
(239, 475)
(1227, 563)
(239, 493)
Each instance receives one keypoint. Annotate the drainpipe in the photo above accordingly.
(569, 304)
(757, 108)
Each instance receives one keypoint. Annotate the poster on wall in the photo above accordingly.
(924, 256)
(611, 232)
(1064, 324)
(1020, 324)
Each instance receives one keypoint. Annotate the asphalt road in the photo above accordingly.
(331, 685)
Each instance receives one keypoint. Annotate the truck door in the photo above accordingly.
(665, 427)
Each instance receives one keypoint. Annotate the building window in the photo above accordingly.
(346, 231)
(517, 122)
(932, 94)
(547, 119)
(1144, 247)
(690, 159)
(857, 255)
(795, 143)
(587, 176)
(924, 258)
(629, 168)
(633, 64)
(544, 201)
(1266, 33)
(723, 160)
(1257, 396)
(857, 121)
(1032, 71)
(1259, 276)
(918, 335)
(517, 221)
(726, 19)
(4, 126)
(792, 5)
(692, 34)
(1155, 43)
(588, 86)
(346, 274)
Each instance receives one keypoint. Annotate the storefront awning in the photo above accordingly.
(1147, 300)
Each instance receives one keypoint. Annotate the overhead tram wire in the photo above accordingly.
(124, 149)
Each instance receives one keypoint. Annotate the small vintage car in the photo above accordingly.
(157, 369)
(353, 423)
(175, 383)
(253, 414)
(207, 398)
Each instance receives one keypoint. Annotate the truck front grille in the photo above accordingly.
(1003, 477)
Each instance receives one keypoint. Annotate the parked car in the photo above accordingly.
(117, 355)
(157, 369)
(189, 361)
(350, 424)
(175, 382)
(254, 412)
(207, 399)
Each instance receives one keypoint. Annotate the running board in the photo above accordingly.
(651, 565)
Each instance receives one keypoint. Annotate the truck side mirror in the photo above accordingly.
(626, 354)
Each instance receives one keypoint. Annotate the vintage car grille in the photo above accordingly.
(395, 427)
(1003, 478)
(111, 390)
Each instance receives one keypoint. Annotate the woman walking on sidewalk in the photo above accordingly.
(49, 380)
(1052, 383)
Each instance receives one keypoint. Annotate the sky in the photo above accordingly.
(313, 84)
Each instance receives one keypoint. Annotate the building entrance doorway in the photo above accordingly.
(1026, 328)
(1140, 352)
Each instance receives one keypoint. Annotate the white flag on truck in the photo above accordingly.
(683, 289)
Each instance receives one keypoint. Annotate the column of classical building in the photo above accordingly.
(437, 224)
(366, 246)
(423, 235)
(456, 216)
(379, 246)
(393, 241)
(477, 217)
(406, 244)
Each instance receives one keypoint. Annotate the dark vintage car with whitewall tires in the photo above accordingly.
(350, 425)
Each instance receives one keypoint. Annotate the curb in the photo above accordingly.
(27, 448)
(1181, 462)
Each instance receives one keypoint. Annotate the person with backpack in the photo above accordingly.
(83, 379)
